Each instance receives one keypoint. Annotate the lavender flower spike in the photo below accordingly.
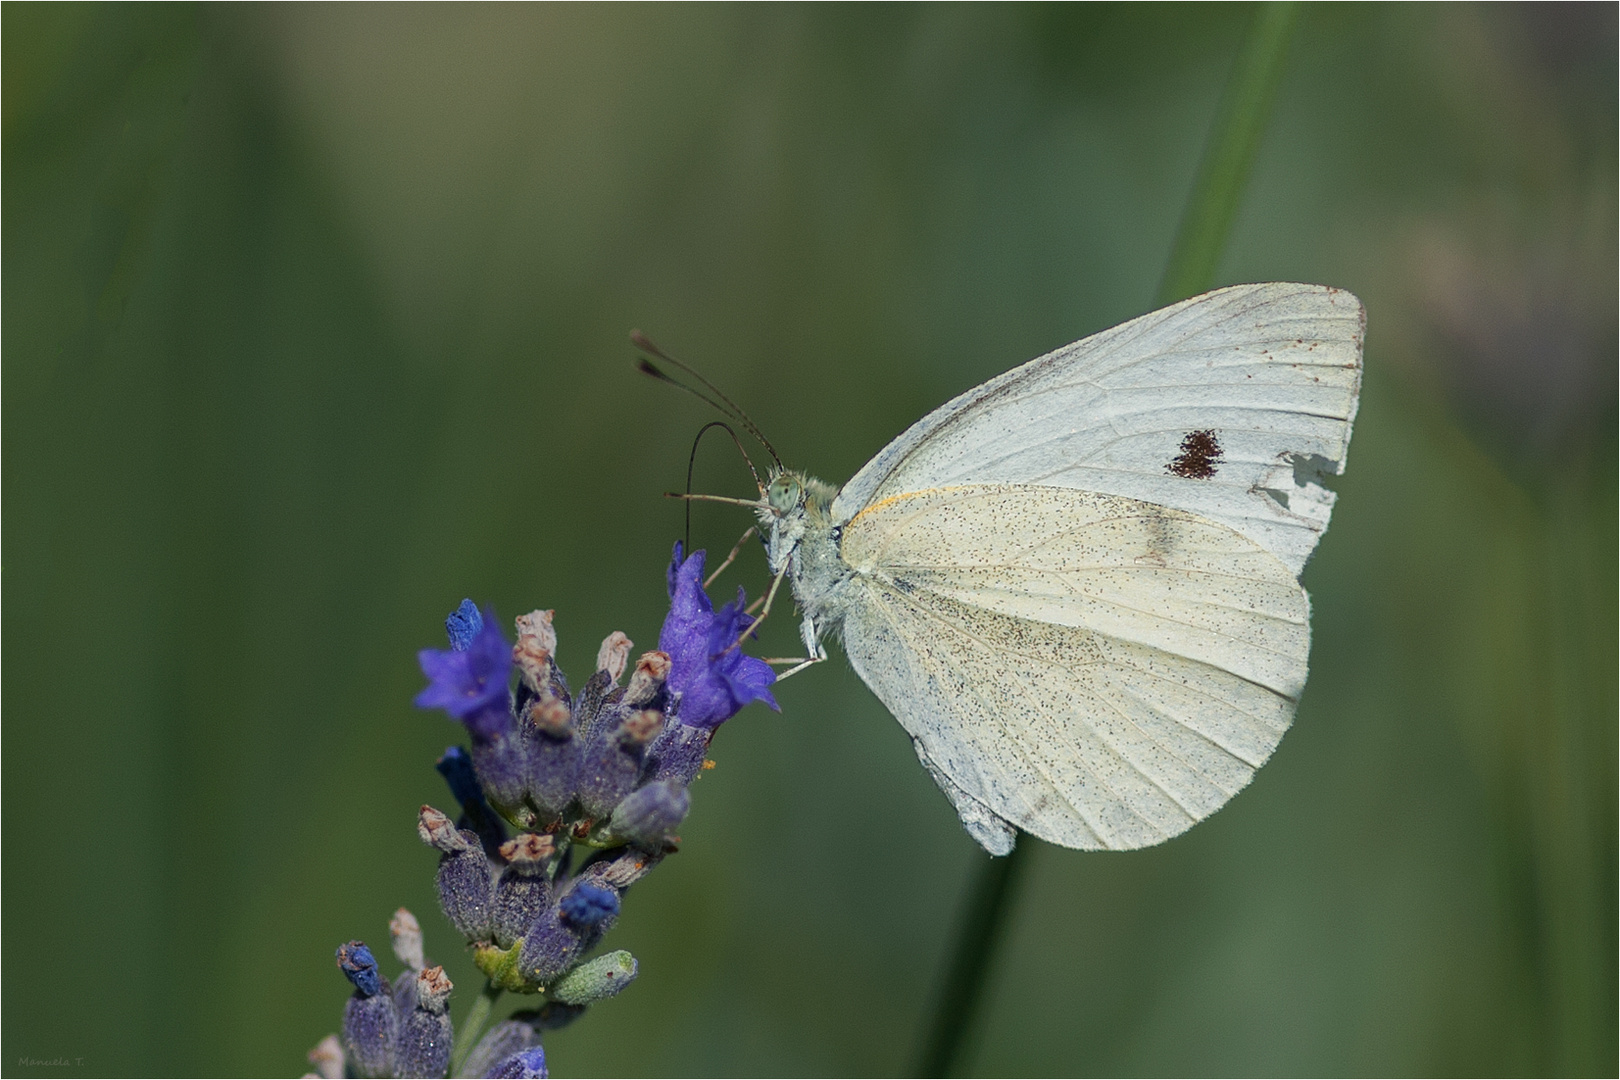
(470, 682)
(714, 680)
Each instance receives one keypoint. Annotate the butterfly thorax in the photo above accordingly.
(801, 536)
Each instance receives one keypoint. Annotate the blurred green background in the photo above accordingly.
(315, 322)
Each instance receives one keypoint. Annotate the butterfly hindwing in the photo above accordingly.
(1098, 671)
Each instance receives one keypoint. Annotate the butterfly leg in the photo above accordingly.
(735, 551)
(812, 638)
(812, 643)
(799, 664)
(776, 583)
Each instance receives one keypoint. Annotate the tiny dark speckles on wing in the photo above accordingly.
(1200, 454)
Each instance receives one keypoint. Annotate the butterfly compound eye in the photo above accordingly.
(783, 494)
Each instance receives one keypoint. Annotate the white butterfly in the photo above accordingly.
(1076, 586)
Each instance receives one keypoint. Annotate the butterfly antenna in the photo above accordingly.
(691, 463)
(725, 404)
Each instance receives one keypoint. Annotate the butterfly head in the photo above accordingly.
(793, 504)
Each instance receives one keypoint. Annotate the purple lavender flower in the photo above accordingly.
(714, 680)
(470, 683)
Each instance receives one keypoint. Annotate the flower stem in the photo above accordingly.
(473, 1026)
(982, 923)
(1222, 173)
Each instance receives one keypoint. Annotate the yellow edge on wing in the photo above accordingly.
(881, 503)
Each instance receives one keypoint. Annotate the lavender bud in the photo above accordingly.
(613, 655)
(539, 626)
(523, 1065)
(622, 870)
(354, 959)
(404, 993)
(464, 874)
(550, 947)
(423, 1045)
(611, 763)
(406, 935)
(523, 890)
(600, 978)
(536, 645)
(457, 769)
(593, 702)
(587, 906)
(553, 944)
(369, 1028)
(649, 815)
(502, 764)
(648, 681)
(463, 625)
(678, 752)
(327, 1058)
(554, 753)
(499, 1043)
(369, 1022)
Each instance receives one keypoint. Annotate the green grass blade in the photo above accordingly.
(1224, 171)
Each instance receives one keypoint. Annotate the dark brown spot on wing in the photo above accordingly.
(1200, 454)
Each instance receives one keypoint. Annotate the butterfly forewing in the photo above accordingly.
(1231, 405)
